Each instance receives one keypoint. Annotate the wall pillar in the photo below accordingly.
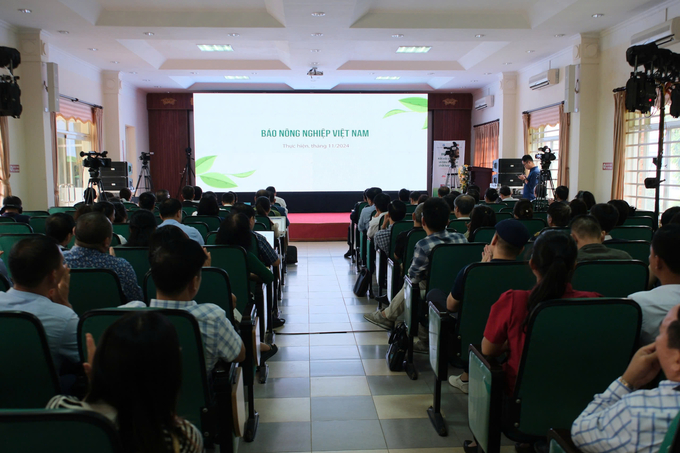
(508, 127)
(113, 138)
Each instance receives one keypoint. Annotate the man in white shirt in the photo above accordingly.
(171, 214)
(505, 194)
(462, 207)
(277, 199)
(382, 204)
(664, 263)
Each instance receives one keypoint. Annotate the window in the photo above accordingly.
(73, 137)
(642, 137)
(549, 136)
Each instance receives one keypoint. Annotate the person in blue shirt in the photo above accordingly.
(531, 179)
(171, 213)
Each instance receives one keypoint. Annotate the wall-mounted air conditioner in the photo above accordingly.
(663, 35)
(545, 79)
(482, 103)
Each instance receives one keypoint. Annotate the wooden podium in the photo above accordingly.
(480, 176)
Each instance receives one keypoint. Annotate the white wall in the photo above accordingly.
(133, 113)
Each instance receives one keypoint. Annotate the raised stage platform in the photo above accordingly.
(324, 226)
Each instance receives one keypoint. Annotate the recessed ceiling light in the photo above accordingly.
(317, 35)
(561, 35)
(133, 72)
(414, 49)
(193, 72)
(430, 73)
(215, 47)
(387, 78)
(372, 73)
(146, 80)
(157, 86)
(474, 81)
(531, 51)
(507, 64)
(93, 49)
(115, 62)
(398, 36)
(236, 77)
(479, 36)
(487, 73)
(233, 35)
(25, 11)
(318, 14)
(63, 32)
(598, 15)
(315, 50)
(254, 73)
(149, 33)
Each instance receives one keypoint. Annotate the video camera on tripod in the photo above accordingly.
(94, 161)
(546, 157)
(145, 157)
(453, 152)
(10, 94)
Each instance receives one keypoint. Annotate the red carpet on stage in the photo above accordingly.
(328, 226)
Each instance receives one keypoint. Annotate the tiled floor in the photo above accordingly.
(329, 386)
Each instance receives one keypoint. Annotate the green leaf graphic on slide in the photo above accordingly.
(243, 175)
(394, 112)
(416, 104)
(204, 164)
(218, 180)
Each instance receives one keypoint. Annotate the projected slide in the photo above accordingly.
(310, 142)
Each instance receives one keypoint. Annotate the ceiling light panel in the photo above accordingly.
(414, 49)
(387, 78)
(236, 77)
(215, 47)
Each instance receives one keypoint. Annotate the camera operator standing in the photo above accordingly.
(531, 180)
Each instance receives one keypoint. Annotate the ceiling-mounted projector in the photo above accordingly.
(314, 72)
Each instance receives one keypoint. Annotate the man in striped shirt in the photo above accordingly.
(623, 419)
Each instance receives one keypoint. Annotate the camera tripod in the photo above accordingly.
(95, 183)
(186, 175)
(452, 180)
(148, 184)
(544, 179)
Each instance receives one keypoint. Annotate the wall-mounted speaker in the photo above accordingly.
(53, 87)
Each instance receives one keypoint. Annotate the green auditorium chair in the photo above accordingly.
(458, 226)
(38, 223)
(509, 209)
(639, 213)
(130, 206)
(563, 338)
(4, 284)
(263, 219)
(483, 284)
(382, 258)
(484, 234)
(65, 431)
(503, 216)
(259, 226)
(158, 219)
(395, 276)
(27, 376)
(7, 220)
(189, 209)
(212, 237)
(195, 401)
(123, 229)
(543, 215)
(67, 209)
(611, 278)
(640, 221)
(6, 243)
(91, 289)
(629, 233)
(534, 225)
(638, 250)
(410, 208)
(200, 226)
(15, 228)
(138, 257)
(446, 260)
(496, 207)
(34, 213)
(355, 233)
(115, 241)
(212, 221)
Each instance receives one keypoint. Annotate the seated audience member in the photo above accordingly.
(162, 195)
(278, 200)
(530, 180)
(11, 207)
(624, 419)
(400, 245)
(490, 196)
(474, 194)
(423, 198)
(505, 194)
(209, 193)
(60, 227)
(450, 200)
(675, 220)
(188, 196)
(413, 198)
(93, 238)
(198, 193)
(473, 187)
(623, 209)
(463, 206)
(396, 212)
(268, 195)
(443, 191)
(264, 251)
(404, 196)
(668, 215)
(481, 216)
(508, 242)
(176, 270)
(125, 194)
(558, 215)
(562, 194)
(664, 264)
(607, 216)
(588, 235)
(104, 196)
(41, 284)
(367, 212)
(142, 226)
(587, 197)
(171, 214)
(109, 211)
(263, 208)
(354, 218)
(208, 206)
(435, 218)
(540, 191)
(147, 201)
(578, 208)
(136, 354)
(381, 203)
(166, 235)
(84, 209)
(228, 199)
(120, 213)
(523, 210)
(89, 195)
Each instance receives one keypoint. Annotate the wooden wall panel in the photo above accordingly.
(169, 101)
(168, 138)
(450, 101)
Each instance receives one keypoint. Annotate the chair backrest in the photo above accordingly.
(534, 225)
(27, 377)
(200, 226)
(483, 284)
(123, 229)
(91, 289)
(4, 284)
(189, 209)
(15, 228)
(7, 219)
(639, 221)
(639, 213)
(212, 237)
(484, 234)
(233, 260)
(158, 219)
(562, 333)
(611, 278)
(65, 430)
(503, 216)
(671, 441)
(496, 207)
(259, 226)
(193, 396)
(446, 260)
(543, 215)
(7, 241)
(39, 213)
(66, 209)
(459, 226)
(38, 223)
(212, 221)
(263, 219)
(397, 229)
(412, 239)
(509, 209)
(638, 250)
(632, 233)
(410, 208)
(138, 257)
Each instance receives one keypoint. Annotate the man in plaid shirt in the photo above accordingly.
(396, 211)
(623, 419)
(435, 219)
(176, 271)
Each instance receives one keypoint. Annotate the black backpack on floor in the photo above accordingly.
(397, 348)
(291, 254)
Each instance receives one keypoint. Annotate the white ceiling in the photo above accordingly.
(276, 49)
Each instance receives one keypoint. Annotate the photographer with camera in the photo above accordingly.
(531, 179)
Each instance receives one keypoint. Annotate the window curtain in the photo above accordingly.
(619, 145)
(97, 136)
(55, 160)
(5, 188)
(527, 134)
(565, 123)
(486, 144)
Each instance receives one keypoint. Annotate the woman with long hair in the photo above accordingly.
(523, 210)
(142, 226)
(208, 206)
(135, 379)
(481, 216)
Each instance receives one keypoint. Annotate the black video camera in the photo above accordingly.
(546, 157)
(145, 157)
(94, 161)
(452, 151)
